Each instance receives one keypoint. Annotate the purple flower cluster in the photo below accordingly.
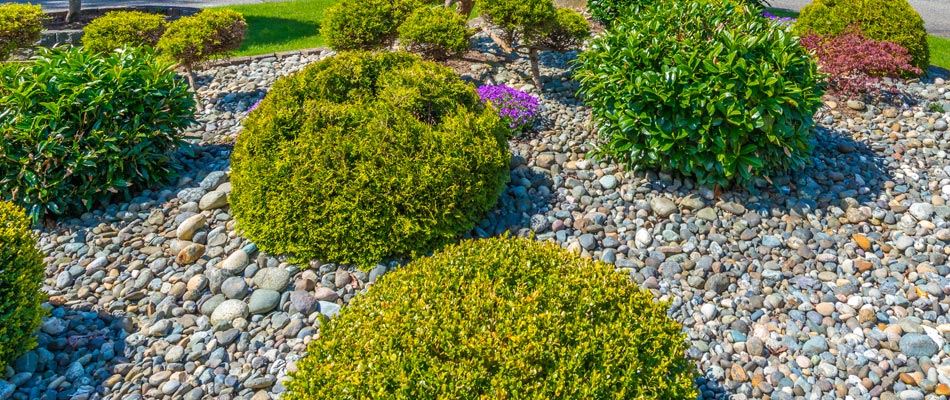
(776, 18)
(517, 107)
(254, 106)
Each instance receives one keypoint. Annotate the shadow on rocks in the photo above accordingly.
(235, 102)
(710, 389)
(521, 206)
(79, 354)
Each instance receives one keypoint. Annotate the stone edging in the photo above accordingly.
(280, 55)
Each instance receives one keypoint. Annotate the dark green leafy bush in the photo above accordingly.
(435, 32)
(606, 11)
(193, 40)
(499, 318)
(77, 127)
(21, 277)
(364, 157)
(119, 29)
(20, 26)
(709, 89)
(882, 20)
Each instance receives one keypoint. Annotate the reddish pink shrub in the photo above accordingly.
(856, 64)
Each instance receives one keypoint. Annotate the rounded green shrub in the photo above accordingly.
(708, 89)
(77, 127)
(119, 29)
(567, 30)
(21, 277)
(367, 24)
(519, 20)
(434, 32)
(363, 157)
(20, 26)
(882, 20)
(607, 11)
(193, 40)
(499, 318)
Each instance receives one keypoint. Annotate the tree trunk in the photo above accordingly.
(465, 7)
(535, 69)
(74, 7)
(191, 80)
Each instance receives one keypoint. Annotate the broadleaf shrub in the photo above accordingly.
(882, 20)
(499, 318)
(77, 127)
(119, 29)
(20, 26)
(855, 64)
(709, 89)
(607, 11)
(434, 32)
(367, 156)
(21, 278)
(193, 40)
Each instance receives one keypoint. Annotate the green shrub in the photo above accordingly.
(520, 20)
(882, 20)
(21, 277)
(20, 26)
(435, 32)
(76, 127)
(568, 30)
(364, 157)
(607, 11)
(119, 29)
(711, 90)
(499, 318)
(193, 40)
(367, 24)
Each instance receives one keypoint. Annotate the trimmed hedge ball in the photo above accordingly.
(193, 40)
(882, 20)
(119, 29)
(435, 33)
(21, 278)
(499, 318)
(364, 157)
(20, 26)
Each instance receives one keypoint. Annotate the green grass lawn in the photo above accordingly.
(939, 51)
(282, 26)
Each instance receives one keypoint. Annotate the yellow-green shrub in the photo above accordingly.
(193, 40)
(20, 26)
(882, 20)
(21, 277)
(119, 29)
(363, 157)
(435, 32)
(499, 318)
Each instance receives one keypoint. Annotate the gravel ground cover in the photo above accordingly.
(828, 282)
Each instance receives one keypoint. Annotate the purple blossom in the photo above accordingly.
(776, 18)
(517, 107)
(254, 106)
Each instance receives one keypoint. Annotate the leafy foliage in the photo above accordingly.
(526, 21)
(77, 127)
(119, 29)
(709, 89)
(607, 11)
(367, 156)
(854, 64)
(193, 40)
(20, 26)
(367, 24)
(568, 31)
(882, 20)
(21, 277)
(434, 32)
(499, 318)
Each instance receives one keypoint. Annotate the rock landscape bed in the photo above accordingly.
(827, 282)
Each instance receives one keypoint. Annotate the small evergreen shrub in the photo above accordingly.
(77, 127)
(525, 21)
(20, 26)
(499, 318)
(359, 25)
(893, 21)
(193, 40)
(367, 156)
(21, 278)
(855, 64)
(709, 89)
(435, 33)
(567, 31)
(607, 11)
(119, 29)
